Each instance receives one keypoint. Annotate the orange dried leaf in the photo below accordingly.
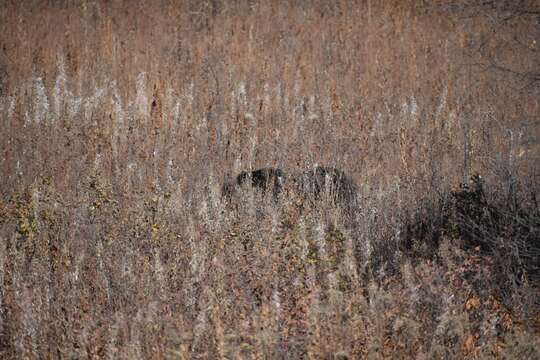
(507, 321)
(499, 348)
(472, 303)
(496, 305)
(468, 345)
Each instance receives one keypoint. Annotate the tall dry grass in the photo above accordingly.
(121, 120)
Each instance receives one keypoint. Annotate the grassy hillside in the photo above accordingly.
(121, 122)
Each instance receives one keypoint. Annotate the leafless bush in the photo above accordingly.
(120, 125)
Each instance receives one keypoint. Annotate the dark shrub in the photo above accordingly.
(503, 228)
(468, 215)
(422, 231)
(463, 214)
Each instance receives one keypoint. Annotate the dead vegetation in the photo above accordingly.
(122, 121)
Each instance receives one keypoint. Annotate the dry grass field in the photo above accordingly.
(122, 122)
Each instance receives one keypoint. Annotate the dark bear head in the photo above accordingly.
(264, 180)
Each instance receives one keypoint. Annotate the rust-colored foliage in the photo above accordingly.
(123, 123)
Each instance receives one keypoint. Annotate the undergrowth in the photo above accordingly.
(136, 137)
